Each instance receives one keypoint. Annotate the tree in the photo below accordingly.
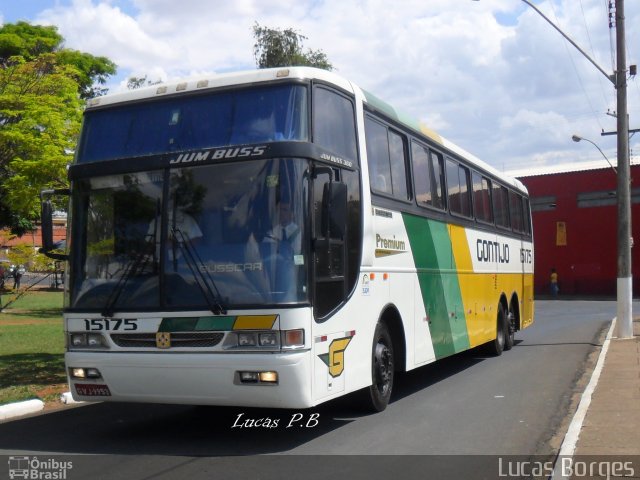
(282, 48)
(30, 41)
(27, 41)
(40, 112)
(42, 88)
(133, 83)
(93, 72)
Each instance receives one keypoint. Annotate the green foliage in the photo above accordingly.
(32, 348)
(26, 255)
(281, 48)
(92, 71)
(40, 113)
(42, 88)
(28, 41)
(21, 254)
(133, 83)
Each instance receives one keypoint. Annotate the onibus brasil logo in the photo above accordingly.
(36, 469)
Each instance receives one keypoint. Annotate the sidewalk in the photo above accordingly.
(612, 424)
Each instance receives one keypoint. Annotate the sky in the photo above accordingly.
(491, 76)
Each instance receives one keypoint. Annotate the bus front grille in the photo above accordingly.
(178, 339)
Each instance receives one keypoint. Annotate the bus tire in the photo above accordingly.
(382, 369)
(510, 332)
(496, 346)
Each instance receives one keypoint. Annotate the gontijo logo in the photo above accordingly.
(335, 358)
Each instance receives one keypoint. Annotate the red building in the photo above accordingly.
(574, 209)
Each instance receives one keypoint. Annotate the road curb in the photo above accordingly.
(570, 441)
(67, 399)
(18, 409)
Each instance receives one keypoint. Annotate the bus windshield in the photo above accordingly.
(226, 234)
(252, 115)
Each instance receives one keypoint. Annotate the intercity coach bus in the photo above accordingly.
(280, 238)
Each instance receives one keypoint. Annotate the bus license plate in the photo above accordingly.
(93, 390)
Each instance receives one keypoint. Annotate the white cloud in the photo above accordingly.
(492, 76)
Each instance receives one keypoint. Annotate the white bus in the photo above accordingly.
(280, 238)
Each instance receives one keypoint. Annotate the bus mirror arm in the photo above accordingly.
(46, 217)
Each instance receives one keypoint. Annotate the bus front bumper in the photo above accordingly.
(194, 379)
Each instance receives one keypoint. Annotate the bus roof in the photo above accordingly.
(303, 73)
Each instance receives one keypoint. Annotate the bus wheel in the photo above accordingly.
(381, 368)
(496, 346)
(510, 333)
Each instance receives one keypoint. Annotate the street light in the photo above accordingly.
(577, 138)
(619, 81)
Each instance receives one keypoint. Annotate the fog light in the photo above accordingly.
(269, 377)
(93, 373)
(249, 377)
(78, 373)
(247, 339)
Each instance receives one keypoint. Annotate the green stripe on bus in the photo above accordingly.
(433, 257)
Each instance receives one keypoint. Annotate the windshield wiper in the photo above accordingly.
(193, 260)
(136, 264)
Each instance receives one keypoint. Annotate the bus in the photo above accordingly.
(279, 238)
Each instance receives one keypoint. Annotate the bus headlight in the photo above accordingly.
(78, 339)
(269, 339)
(247, 339)
(87, 340)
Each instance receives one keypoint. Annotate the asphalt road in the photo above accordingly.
(468, 405)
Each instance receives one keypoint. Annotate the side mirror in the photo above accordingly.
(46, 218)
(334, 210)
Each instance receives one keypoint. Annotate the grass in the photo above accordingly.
(32, 348)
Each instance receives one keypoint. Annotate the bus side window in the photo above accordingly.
(482, 198)
(387, 154)
(458, 188)
(501, 205)
(398, 158)
(437, 179)
(422, 174)
(334, 126)
(378, 154)
(515, 207)
(527, 216)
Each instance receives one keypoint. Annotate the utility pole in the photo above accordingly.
(619, 81)
(625, 279)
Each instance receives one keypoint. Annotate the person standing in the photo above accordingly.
(553, 282)
(17, 276)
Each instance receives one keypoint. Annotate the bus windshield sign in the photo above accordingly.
(244, 116)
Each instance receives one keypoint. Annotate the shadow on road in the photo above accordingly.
(139, 429)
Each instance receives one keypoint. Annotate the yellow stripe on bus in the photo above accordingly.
(478, 313)
(254, 322)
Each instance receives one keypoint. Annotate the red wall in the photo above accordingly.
(588, 263)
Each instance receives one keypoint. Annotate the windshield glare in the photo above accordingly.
(229, 233)
(255, 115)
